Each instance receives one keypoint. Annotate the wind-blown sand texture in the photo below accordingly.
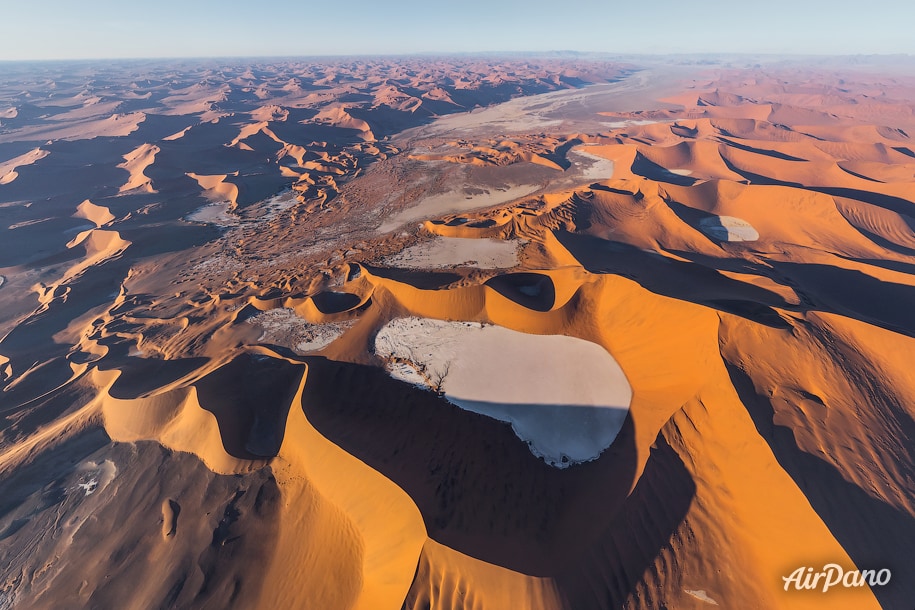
(690, 284)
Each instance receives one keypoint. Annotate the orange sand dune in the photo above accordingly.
(215, 188)
(100, 215)
(337, 116)
(136, 162)
(357, 378)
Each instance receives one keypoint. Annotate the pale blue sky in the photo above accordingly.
(79, 29)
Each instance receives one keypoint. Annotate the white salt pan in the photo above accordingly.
(567, 398)
(728, 228)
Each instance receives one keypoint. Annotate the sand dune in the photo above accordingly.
(217, 189)
(114, 125)
(100, 215)
(136, 162)
(456, 333)
(8, 168)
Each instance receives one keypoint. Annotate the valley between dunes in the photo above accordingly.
(456, 334)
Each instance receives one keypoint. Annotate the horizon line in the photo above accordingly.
(445, 54)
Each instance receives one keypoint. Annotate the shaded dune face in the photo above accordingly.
(528, 289)
(287, 336)
(478, 505)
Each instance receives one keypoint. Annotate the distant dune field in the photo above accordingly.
(435, 333)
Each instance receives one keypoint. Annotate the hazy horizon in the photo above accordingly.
(106, 29)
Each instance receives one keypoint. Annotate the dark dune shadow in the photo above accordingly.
(603, 187)
(483, 224)
(857, 175)
(686, 281)
(560, 155)
(905, 150)
(72, 172)
(250, 398)
(139, 376)
(32, 245)
(875, 535)
(335, 302)
(651, 170)
(479, 488)
(386, 121)
(821, 287)
(691, 215)
(762, 151)
(482, 492)
(855, 294)
(302, 133)
(683, 131)
(532, 290)
(887, 202)
(751, 311)
(18, 422)
(885, 243)
(898, 266)
(494, 94)
(146, 242)
(55, 463)
(256, 185)
(10, 150)
(158, 126)
(426, 280)
(33, 341)
(608, 573)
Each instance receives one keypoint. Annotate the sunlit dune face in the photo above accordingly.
(455, 333)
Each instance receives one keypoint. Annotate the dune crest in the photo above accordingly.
(136, 162)
(217, 189)
(97, 214)
(8, 171)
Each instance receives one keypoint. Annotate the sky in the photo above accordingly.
(92, 29)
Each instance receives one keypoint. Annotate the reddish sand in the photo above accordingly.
(201, 263)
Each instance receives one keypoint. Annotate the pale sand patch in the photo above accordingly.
(455, 201)
(177, 136)
(701, 595)
(631, 123)
(457, 251)
(593, 168)
(567, 398)
(214, 213)
(28, 223)
(283, 327)
(728, 228)
(681, 172)
(272, 206)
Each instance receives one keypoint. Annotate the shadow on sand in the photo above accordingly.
(482, 492)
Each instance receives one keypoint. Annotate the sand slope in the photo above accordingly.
(310, 343)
